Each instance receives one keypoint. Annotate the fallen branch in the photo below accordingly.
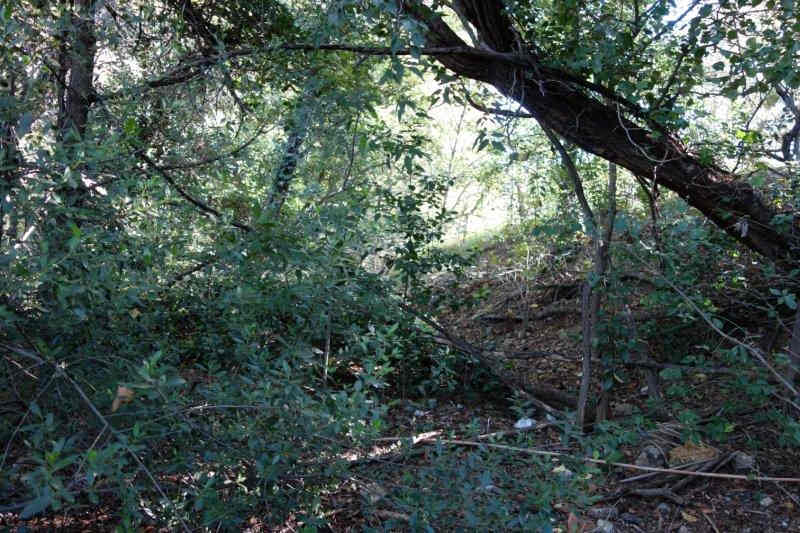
(656, 493)
(534, 392)
(711, 522)
(106, 424)
(534, 451)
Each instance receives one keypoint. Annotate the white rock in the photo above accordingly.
(525, 423)
(766, 501)
(563, 472)
(743, 462)
(373, 492)
(604, 526)
(607, 513)
(650, 456)
(623, 409)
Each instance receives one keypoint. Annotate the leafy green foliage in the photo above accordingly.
(199, 284)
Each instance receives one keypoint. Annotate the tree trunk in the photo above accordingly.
(590, 297)
(79, 61)
(285, 173)
(297, 130)
(75, 87)
(580, 112)
(9, 169)
(602, 265)
(794, 350)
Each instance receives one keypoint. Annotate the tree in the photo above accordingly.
(599, 120)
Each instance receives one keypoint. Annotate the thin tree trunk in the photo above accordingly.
(651, 376)
(9, 169)
(590, 298)
(602, 265)
(297, 131)
(285, 173)
(590, 303)
(794, 350)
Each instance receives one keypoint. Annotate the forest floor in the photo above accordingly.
(511, 315)
(524, 319)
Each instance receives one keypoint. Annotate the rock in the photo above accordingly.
(622, 409)
(631, 519)
(644, 391)
(743, 462)
(650, 456)
(604, 526)
(766, 501)
(420, 412)
(525, 423)
(684, 529)
(563, 472)
(663, 508)
(373, 492)
(607, 513)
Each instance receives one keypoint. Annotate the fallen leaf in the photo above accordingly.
(689, 517)
(124, 396)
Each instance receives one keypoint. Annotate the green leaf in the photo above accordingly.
(24, 124)
(36, 506)
(176, 382)
(671, 373)
(131, 128)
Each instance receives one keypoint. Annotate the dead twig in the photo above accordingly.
(658, 493)
(534, 451)
(710, 522)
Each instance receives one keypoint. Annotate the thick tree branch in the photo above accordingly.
(607, 128)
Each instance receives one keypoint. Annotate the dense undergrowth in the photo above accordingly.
(256, 386)
(226, 301)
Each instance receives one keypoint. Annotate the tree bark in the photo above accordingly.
(794, 350)
(10, 159)
(603, 123)
(297, 130)
(79, 62)
(602, 265)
